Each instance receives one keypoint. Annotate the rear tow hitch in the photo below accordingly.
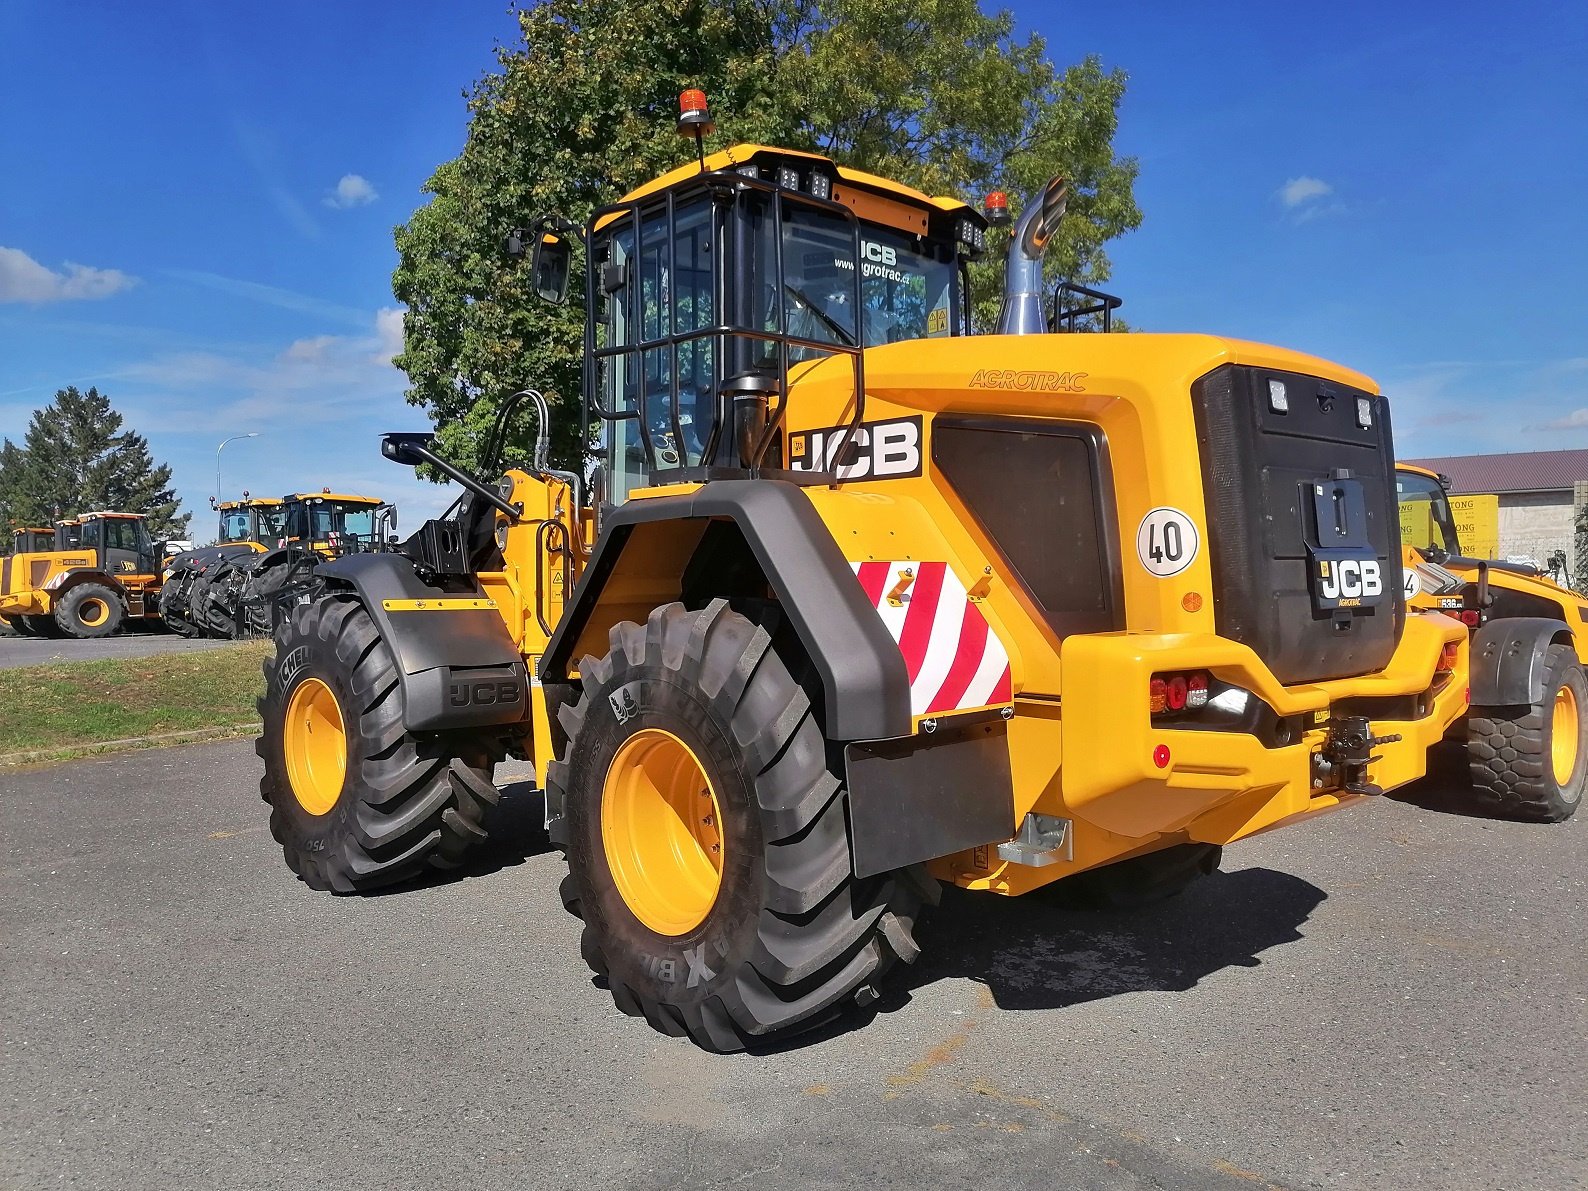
(1346, 754)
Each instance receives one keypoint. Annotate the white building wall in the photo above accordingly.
(1535, 524)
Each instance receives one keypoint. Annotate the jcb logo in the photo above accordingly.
(1351, 579)
(490, 693)
(881, 253)
(878, 450)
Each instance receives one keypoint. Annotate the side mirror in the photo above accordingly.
(550, 264)
(400, 447)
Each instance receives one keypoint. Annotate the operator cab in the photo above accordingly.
(32, 540)
(334, 522)
(709, 288)
(120, 542)
(69, 533)
(250, 520)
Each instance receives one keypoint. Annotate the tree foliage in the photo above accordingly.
(75, 458)
(933, 93)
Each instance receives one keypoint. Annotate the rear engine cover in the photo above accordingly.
(1267, 476)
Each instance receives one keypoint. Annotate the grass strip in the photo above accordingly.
(71, 704)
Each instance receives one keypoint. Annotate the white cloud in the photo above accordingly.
(351, 191)
(1303, 189)
(23, 279)
(389, 331)
(1576, 420)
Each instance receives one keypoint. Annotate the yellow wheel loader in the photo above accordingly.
(855, 602)
(99, 571)
(1526, 735)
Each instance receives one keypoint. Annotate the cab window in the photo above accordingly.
(1426, 520)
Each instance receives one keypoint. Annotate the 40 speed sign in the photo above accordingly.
(1167, 542)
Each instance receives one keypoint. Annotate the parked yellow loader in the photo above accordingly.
(99, 571)
(861, 602)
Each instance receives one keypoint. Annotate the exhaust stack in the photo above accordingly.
(1023, 312)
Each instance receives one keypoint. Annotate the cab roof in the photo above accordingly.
(1418, 471)
(253, 502)
(853, 188)
(345, 497)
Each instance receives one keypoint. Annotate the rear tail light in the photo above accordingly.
(1448, 657)
(1470, 617)
(1172, 694)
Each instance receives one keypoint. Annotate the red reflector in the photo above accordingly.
(1449, 656)
(1157, 696)
(1470, 618)
(692, 100)
(1160, 756)
(1179, 689)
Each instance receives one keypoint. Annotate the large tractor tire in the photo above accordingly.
(1138, 881)
(39, 626)
(356, 801)
(704, 823)
(87, 611)
(264, 587)
(174, 594)
(212, 600)
(22, 626)
(1531, 761)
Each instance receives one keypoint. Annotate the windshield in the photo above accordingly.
(234, 525)
(328, 519)
(1426, 523)
(906, 283)
(271, 522)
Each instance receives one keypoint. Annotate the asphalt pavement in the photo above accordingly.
(1391, 997)
(18, 651)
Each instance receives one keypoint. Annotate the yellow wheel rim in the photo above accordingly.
(93, 612)
(315, 742)
(1564, 735)
(661, 828)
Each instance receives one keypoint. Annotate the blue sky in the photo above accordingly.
(196, 203)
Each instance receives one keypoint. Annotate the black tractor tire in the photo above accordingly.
(174, 595)
(792, 936)
(1510, 750)
(264, 586)
(212, 604)
(1138, 881)
(407, 805)
(20, 626)
(39, 626)
(88, 611)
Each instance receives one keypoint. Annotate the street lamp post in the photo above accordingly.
(224, 441)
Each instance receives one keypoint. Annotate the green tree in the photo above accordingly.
(934, 93)
(77, 458)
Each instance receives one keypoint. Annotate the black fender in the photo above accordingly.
(78, 576)
(1508, 659)
(865, 685)
(457, 666)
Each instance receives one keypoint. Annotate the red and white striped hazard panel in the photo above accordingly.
(954, 659)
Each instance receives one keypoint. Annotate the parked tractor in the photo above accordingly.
(100, 571)
(859, 603)
(195, 583)
(264, 557)
(1524, 736)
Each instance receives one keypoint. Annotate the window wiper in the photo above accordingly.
(845, 336)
